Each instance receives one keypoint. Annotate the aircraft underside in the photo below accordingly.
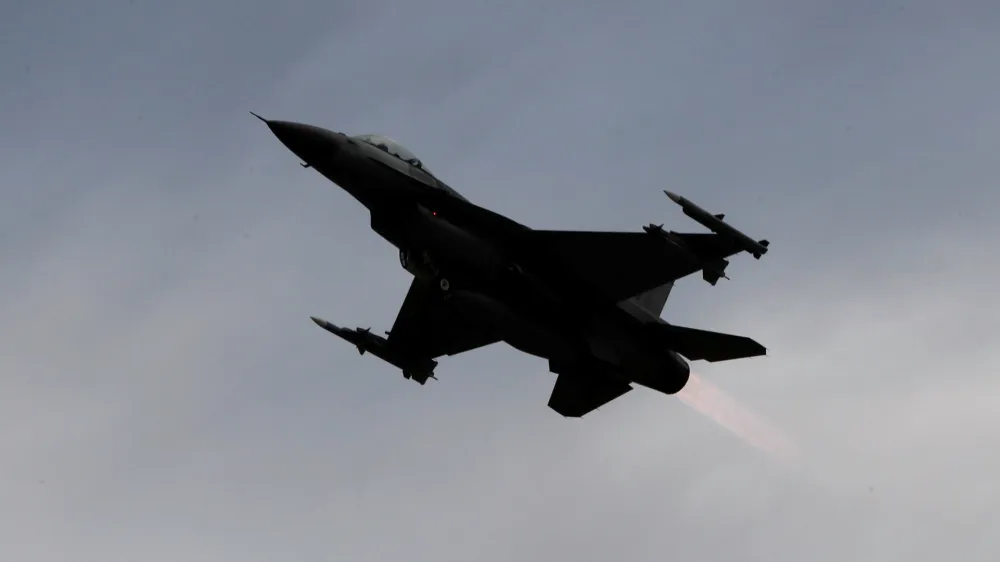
(480, 278)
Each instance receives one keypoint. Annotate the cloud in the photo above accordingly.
(164, 395)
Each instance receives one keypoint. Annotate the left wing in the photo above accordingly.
(625, 264)
(430, 326)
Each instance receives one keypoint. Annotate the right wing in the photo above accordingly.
(430, 326)
(579, 391)
(625, 264)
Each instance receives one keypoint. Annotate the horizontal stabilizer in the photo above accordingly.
(579, 392)
(708, 346)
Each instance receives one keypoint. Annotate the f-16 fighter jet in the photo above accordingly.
(587, 302)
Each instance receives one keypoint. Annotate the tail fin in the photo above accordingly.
(654, 300)
(710, 346)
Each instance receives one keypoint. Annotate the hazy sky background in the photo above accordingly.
(164, 396)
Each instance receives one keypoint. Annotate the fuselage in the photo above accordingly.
(483, 261)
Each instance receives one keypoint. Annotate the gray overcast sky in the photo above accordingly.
(164, 396)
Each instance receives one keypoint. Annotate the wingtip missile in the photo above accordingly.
(417, 368)
(328, 326)
(716, 224)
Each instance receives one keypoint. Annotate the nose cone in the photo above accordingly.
(314, 145)
(310, 143)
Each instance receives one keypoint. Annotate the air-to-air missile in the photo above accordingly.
(716, 224)
(363, 339)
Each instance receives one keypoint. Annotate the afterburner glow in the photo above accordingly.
(711, 401)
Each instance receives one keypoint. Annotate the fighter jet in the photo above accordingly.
(587, 302)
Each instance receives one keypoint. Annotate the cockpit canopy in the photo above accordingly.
(392, 147)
